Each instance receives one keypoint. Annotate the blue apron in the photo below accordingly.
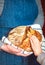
(16, 13)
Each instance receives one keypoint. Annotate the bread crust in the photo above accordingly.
(20, 36)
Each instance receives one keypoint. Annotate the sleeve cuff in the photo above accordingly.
(41, 57)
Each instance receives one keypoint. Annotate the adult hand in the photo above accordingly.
(36, 46)
(13, 50)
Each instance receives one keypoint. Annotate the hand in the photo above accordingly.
(13, 50)
(36, 46)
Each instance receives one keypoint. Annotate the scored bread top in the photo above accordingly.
(17, 35)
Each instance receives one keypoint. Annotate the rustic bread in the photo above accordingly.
(20, 36)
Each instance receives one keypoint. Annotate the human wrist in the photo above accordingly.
(38, 53)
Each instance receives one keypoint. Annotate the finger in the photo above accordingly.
(31, 42)
(34, 38)
(10, 49)
(34, 41)
(20, 54)
(4, 47)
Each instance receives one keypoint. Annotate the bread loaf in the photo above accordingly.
(20, 36)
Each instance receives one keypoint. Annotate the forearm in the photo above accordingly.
(41, 58)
